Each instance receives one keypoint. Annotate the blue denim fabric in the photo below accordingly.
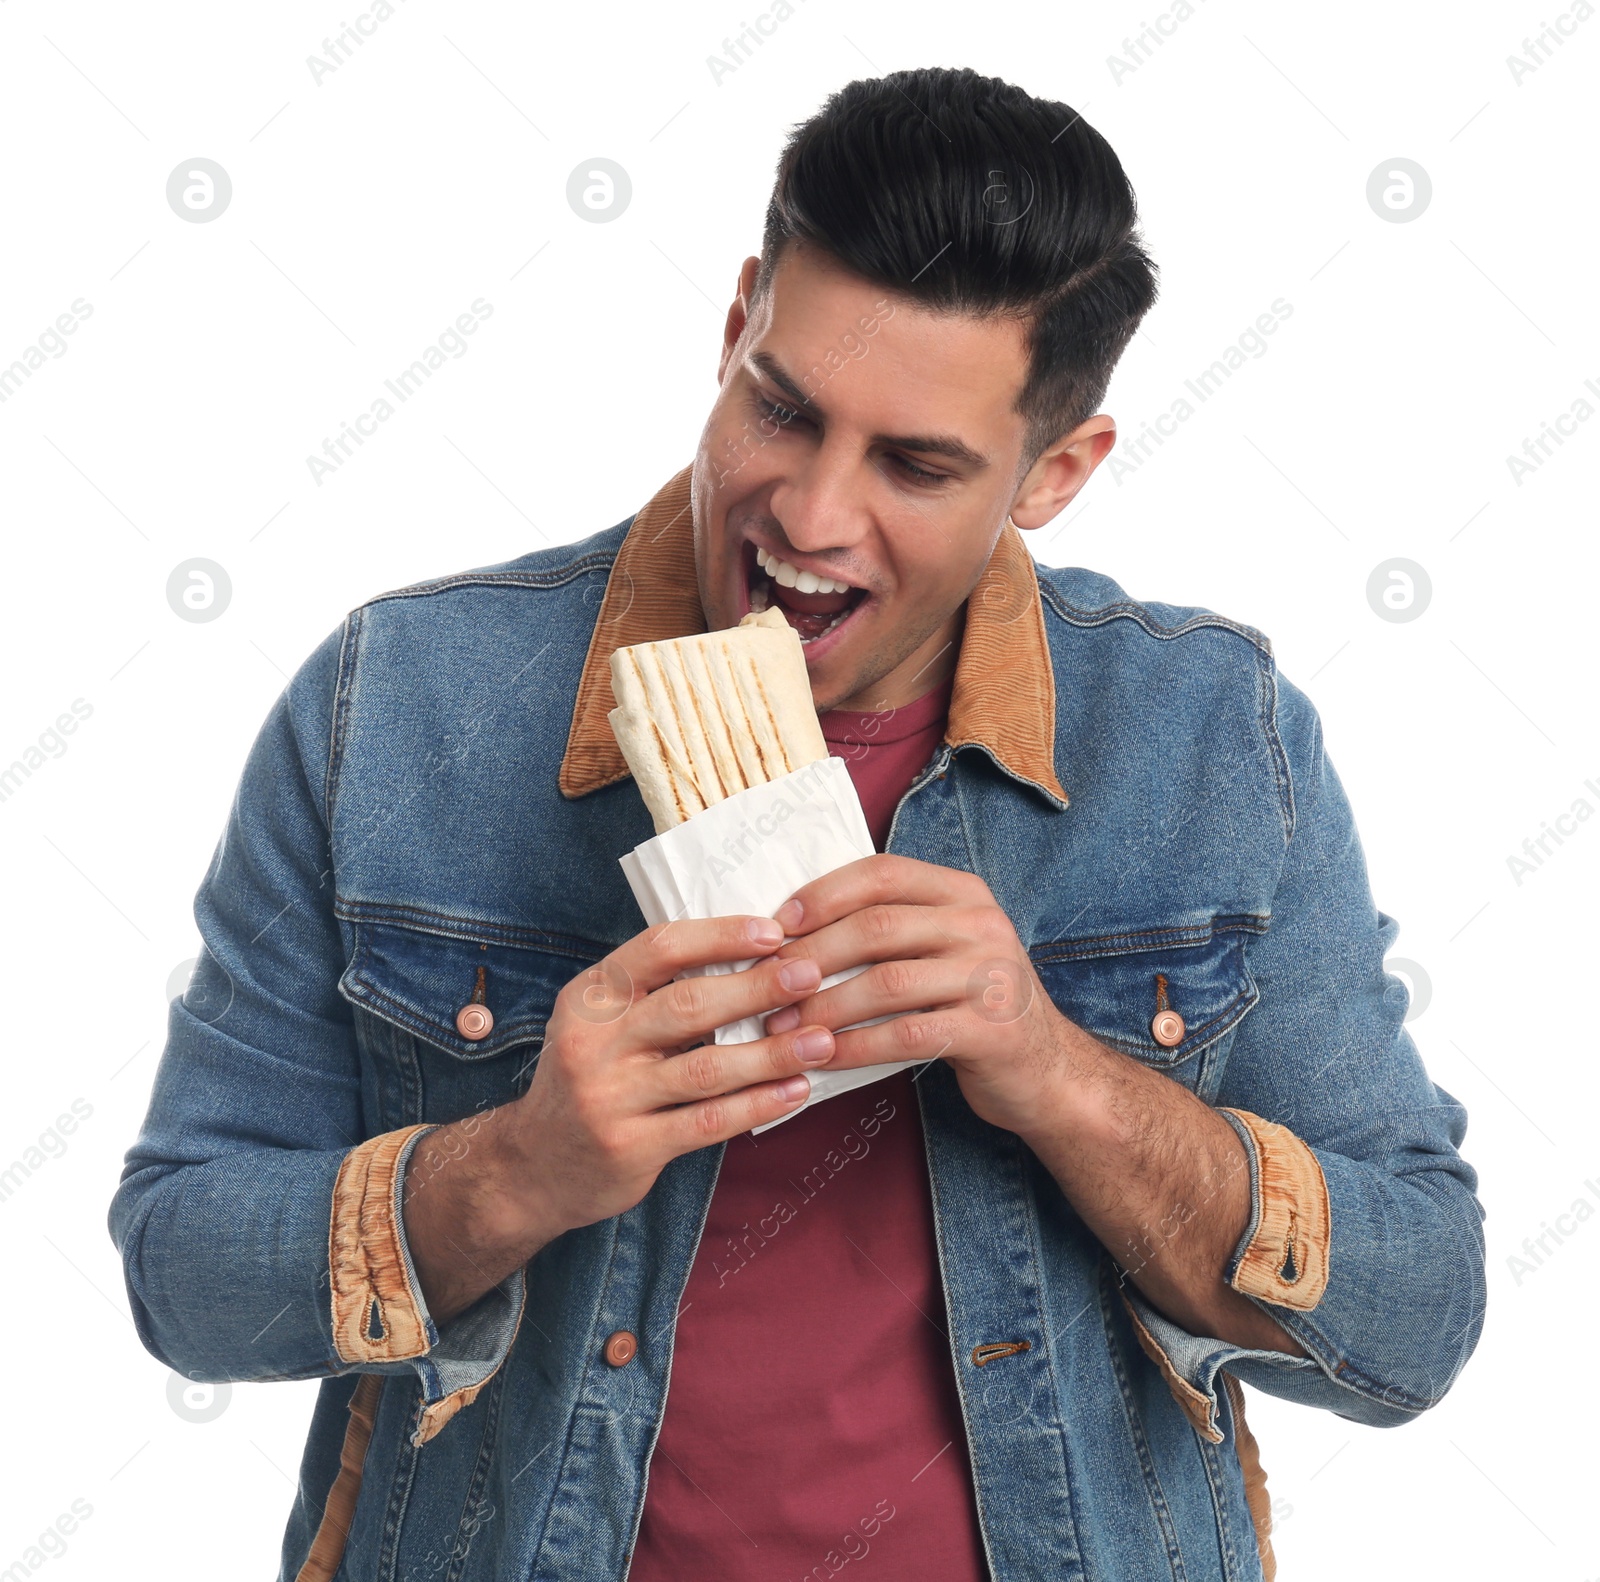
(398, 825)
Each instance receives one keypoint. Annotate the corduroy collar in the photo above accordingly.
(1004, 699)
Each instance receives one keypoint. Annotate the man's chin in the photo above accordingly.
(863, 674)
(847, 677)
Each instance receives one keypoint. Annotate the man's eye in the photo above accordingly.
(922, 475)
(782, 416)
(773, 412)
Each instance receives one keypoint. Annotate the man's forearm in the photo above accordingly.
(609, 1104)
(468, 1221)
(1161, 1179)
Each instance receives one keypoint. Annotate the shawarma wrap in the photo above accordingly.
(700, 718)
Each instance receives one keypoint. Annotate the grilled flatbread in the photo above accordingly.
(699, 718)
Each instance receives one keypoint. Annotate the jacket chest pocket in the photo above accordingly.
(1168, 997)
(451, 1023)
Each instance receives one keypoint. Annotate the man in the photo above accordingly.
(439, 1124)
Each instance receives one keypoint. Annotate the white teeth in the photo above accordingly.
(788, 576)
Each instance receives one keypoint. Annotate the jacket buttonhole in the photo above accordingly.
(374, 1321)
(994, 1350)
(1289, 1269)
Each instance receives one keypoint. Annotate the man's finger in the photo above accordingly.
(690, 1008)
(887, 988)
(892, 933)
(715, 1069)
(716, 1120)
(918, 1035)
(878, 881)
(657, 955)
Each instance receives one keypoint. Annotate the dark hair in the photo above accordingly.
(965, 194)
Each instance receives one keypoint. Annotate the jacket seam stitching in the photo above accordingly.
(1282, 775)
(404, 1480)
(1137, 941)
(472, 930)
(1353, 1378)
(488, 1446)
(1154, 1491)
(961, 819)
(1132, 610)
(1216, 1478)
(1058, 1427)
(559, 1476)
(1234, 1390)
(553, 578)
(1342, 1373)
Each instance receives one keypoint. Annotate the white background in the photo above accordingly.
(430, 170)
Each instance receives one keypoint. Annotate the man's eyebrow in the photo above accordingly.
(928, 444)
(773, 369)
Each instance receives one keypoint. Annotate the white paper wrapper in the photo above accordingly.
(749, 854)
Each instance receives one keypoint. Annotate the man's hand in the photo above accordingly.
(619, 1090)
(1156, 1173)
(947, 963)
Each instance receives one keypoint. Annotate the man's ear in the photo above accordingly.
(738, 315)
(1062, 470)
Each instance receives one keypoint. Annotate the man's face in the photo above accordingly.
(868, 442)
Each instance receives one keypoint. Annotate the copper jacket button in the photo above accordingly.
(1167, 1028)
(474, 1021)
(621, 1348)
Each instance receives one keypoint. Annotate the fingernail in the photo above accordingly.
(782, 1021)
(798, 976)
(814, 1045)
(789, 915)
(795, 1088)
(764, 931)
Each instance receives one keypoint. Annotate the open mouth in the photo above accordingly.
(814, 605)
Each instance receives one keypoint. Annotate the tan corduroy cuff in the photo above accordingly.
(376, 1314)
(1285, 1259)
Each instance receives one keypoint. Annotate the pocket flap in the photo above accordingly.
(1112, 985)
(420, 979)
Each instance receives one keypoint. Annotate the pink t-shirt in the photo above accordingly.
(812, 1417)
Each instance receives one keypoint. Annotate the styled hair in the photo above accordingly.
(967, 195)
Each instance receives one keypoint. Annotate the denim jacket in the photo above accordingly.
(437, 796)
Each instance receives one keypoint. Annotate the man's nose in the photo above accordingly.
(820, 504)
